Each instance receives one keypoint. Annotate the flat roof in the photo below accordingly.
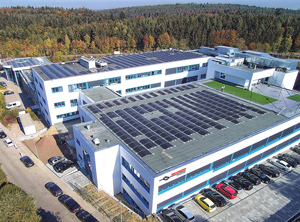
(20, 63)
(117, 62)
(168, 127)
(100, 94)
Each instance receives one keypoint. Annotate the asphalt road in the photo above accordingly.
(33, 179)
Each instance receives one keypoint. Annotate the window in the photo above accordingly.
(182, 69)
(171, 184)
(197, 187)
(136, 175)
(115, 80)
(73, 102)
(202, 76)
(57, 89)
(41, 86)
(39, 93)
(194, 67)
(137, 193)
(222, 76)
(204, 64)
(59, 104)
(77, 141)
(141, 88)
(77, 87)
(192, 78)
(66, 115)
(198, 172)
(119, 91)
(144, 74)
(44, 100)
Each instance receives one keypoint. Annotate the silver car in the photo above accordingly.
(183, 213)
(280, 164)
(56, 159)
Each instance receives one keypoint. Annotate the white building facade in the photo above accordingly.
(166, 176)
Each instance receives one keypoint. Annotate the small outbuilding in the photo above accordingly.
(27, 124)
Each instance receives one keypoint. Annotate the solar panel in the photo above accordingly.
(124, 101)
(147, 143)
(112, 115)
(47, 72)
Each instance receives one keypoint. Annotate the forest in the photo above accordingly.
(54, 32)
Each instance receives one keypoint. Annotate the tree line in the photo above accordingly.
(54, 32)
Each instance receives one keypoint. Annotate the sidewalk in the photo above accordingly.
(46, 173)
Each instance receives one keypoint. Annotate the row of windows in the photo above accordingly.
(138, 194)
(141, 88)
(182, 69)
(229, 159)
(182, 81)
(73, 103)
(144, 74)
(136, 175)
(93, 84)
(136, 208)
(254, 147)
(229, 172)
(66, 115)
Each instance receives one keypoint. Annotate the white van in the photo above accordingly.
(13, 105)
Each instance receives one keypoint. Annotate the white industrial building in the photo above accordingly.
(152, 138)
(161, 147)
(56, 87)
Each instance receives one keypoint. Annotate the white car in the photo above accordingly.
(8, 142)
(280, 164)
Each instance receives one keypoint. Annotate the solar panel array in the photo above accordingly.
(177, 118)
(55, 71)
(149, 58)
(23, 63)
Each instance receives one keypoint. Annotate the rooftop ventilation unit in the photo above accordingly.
(88, 126)
(107, 140)
(96, 141)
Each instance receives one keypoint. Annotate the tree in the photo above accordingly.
(267, 48)
(87, 40)
(67, 43)
(252, 46)
(17, 205)
(146, 41)
(151, 42)
(164, 41)
(286, 45)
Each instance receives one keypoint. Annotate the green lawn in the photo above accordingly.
(295, 97)
(242, 93)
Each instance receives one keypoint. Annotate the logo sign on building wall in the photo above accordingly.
(177, 173)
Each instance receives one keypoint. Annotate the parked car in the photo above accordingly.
(56, 159)
(13, 105)
(247, 185)
(2, 83)
(235, 185)
(264, 178)
(8, 92)
(2, 134)
(215, 197)
(228, 191)
(287, 158)
(27, 161)
(54, 189)
(251, 177)
(69, 203)
(296, 149)
(170, 216)
(270, 171)
(280, 164)
(8, 142)
(206, 203)
(295, 157)
(85, 216)
(183, 213)
(63, 165)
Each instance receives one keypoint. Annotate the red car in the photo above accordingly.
(226, 190)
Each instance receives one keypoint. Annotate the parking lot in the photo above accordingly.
(277, 201)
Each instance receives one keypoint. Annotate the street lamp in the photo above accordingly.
(37, 155)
